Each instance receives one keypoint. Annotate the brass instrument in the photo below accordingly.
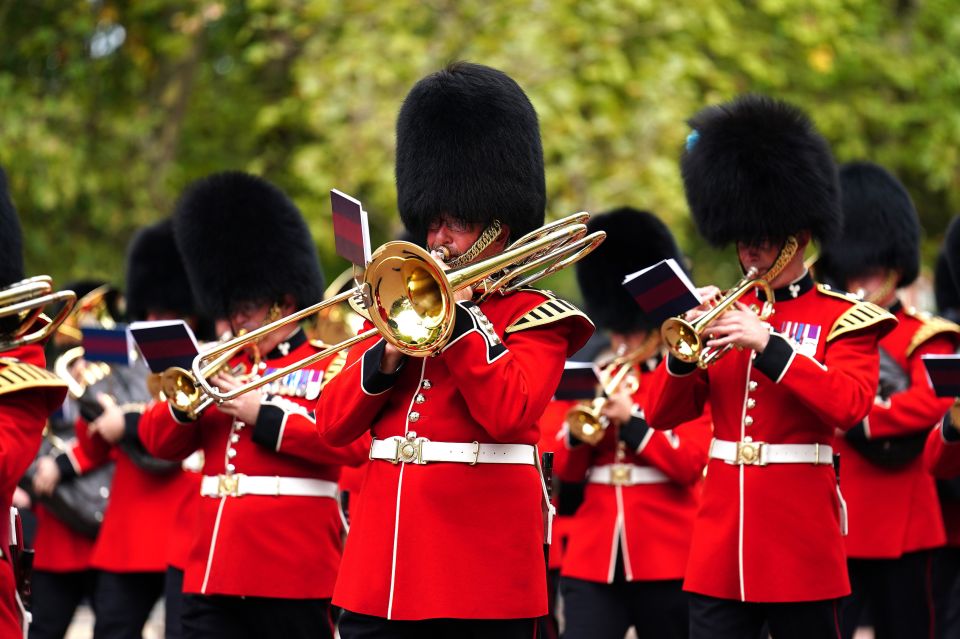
(78, 381)
(22, 303)
(687, 340)
(410, 298)
(338, 322)
(180, 388)
(585, 420)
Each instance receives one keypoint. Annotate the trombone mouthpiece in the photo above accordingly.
(442, 253)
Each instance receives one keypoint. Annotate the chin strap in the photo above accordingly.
(488, 237)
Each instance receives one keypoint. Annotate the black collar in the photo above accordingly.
(792, 290)
(289, 345)
(896, 307)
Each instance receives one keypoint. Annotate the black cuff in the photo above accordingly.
(180, 416)
(634, 432)
(775, 358)
(90, 408)
(462, 320)
(858, 433)
(131, 428)
(572, 442)
(67, 471)
(266, 431)
(949, 433)
(678, 367)
(372, 379)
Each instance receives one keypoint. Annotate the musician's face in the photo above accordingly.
(869, 284)
(251, 315)
(454, 235)
(760, 256)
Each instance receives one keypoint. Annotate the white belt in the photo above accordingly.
(240, 485)
(751, 453)
(626, 475)
(420, 450)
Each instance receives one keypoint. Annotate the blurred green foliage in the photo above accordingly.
(111, 106)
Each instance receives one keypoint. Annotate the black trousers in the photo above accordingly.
(56, 596)
(712, 618)
(357, 626)
(899, 593)
(946, 574)
(123, 601)
(208, 617)
(173, 603)
(596, 610)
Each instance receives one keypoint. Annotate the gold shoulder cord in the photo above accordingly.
(859, 316)
(491, 233)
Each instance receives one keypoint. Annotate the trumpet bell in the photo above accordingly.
(180, 389)
(586, 423)
(682, 338)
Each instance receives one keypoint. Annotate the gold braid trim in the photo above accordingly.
(859, 316)
(16, 375)
(335, 367)
(932, 326)
(489, 235)
(553, 309)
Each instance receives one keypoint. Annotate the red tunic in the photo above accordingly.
(895, 510)
(254, 545)
(941, 456)
(448, 539)
(551, 440)
(652, 523)
(26, 400)
(772, 533)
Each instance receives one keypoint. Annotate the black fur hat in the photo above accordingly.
(156, 278)
(945, 289)
(756, 169)
(951, 250)
(880, 228)
(635, 240)
(242, 239)
(468, 145)
(11, 238)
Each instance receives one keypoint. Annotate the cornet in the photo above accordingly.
(585, 420)
(410, 298)
(22, 303)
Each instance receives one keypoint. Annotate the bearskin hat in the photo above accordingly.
(945, 290)
(756, 169)
(635, 240)
(156, 278)
(11, 238)
(880, 228)
(951, 251)
(468, 146)
(243, 239)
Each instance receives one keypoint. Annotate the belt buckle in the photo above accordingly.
(409, 450)
(749, 453)
(620, 475)
(228, 485)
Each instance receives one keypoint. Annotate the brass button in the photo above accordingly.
(231, 453)
(234, 438)
(752, 385)
(231, 468)
(751, 402)
(419, 399)
(748, 421)
(414, 416)
(426, 384)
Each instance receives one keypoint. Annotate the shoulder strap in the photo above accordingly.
(858, 317)
(16, 375)
(551, 309)
(932, 326)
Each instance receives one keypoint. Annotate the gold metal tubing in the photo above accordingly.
(27, 299)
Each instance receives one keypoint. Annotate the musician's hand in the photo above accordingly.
(618, 408)
(47, 477)
(738, 326)
(21, 499)
(245, 407)
(111, 423)
(706, 294)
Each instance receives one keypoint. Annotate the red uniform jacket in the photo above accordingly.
(449, 539)
(253, 545)
(651, 523)
(551, 440)
(895, 510)
(772, 533)
(28, 394)
(141, 514)
(941, 457)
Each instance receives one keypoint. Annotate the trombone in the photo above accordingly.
(410, 298)
(22, 303)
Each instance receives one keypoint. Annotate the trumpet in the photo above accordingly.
(410, 298)
(585, 420)
(22, 303)
(686, 339)
(180, 388)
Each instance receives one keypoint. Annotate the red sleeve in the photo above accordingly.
(506, 384)
(677, 394)
(94, 448)
(572, 461)
(941, 456)
(839, 391)
(165, 436)
(350, 402)
(682, 452)
(288, 428)
(23, 414)
(916, 408)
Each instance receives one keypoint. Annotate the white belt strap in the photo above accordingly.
(420, 450)
(240, 485)
(751, 453)
(626, 475)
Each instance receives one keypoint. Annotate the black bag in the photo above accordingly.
(889, 452)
